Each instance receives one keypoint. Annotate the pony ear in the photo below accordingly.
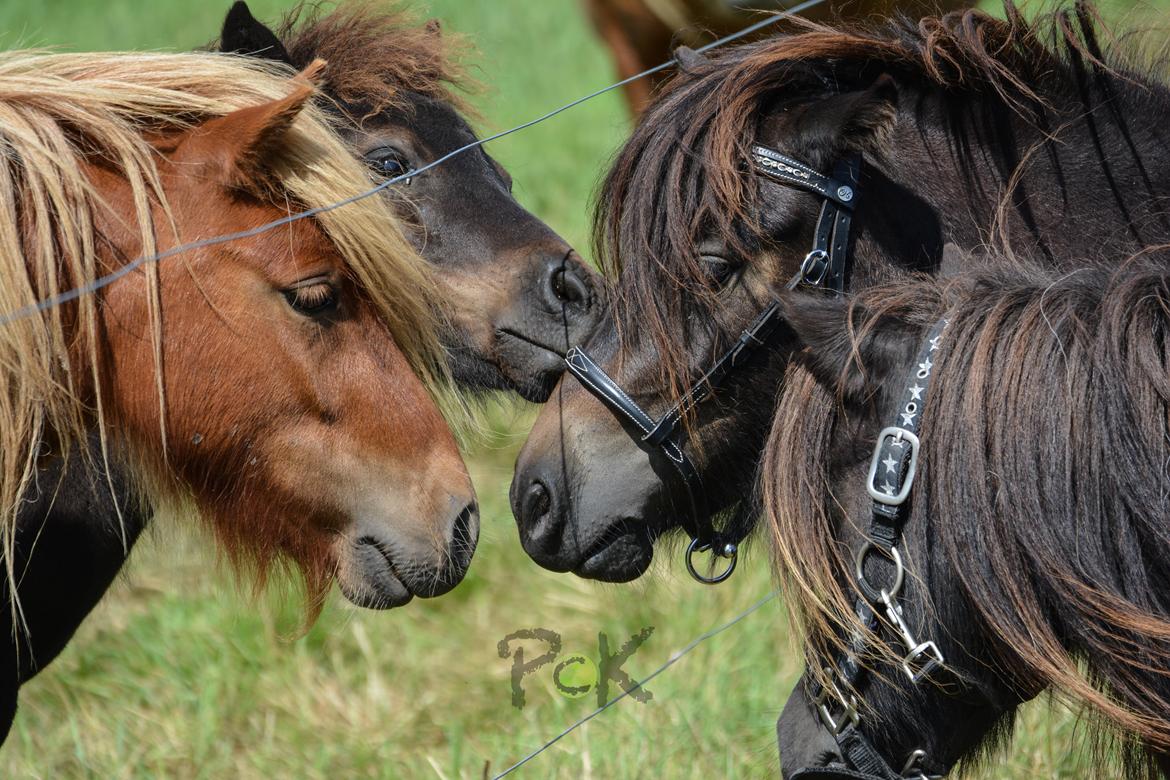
(688, 59)
(855, 370)
(238, 148)
(954, 260)
(245, 34)
(851, 121)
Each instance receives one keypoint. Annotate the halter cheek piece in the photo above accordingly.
(825, 266)
(890, 479)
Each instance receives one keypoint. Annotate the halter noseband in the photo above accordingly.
(825, 266)
(890, 479)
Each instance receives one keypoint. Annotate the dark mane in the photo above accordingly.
(1044, 483)
(683, 169)
(373, 55)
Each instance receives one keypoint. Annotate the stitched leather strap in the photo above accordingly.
(757, 335)
(827, 263)
(609, 392)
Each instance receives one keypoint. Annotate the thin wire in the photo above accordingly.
(626, 692)
(102, 281)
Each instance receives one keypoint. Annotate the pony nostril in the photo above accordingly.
(537, 503)
(567, 285)
(464, 537)
(456, 558)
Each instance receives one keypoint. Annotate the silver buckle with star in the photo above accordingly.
(890, 493)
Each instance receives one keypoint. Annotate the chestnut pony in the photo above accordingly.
(513, 293)
(281, 385)
(1046, 134)
(1036, 535)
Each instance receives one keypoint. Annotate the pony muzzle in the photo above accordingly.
(386, 563)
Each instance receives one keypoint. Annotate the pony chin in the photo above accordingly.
(624, 555)
(366, 575)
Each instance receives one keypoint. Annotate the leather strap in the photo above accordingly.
(826, 264)
(890, 479)
(609, 392)
(757, 335)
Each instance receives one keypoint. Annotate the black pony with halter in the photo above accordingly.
(825, 266)
(894, 464)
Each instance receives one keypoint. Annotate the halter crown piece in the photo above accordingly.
(890, 479)
(825, 267)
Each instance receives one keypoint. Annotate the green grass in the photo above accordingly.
(178, 675)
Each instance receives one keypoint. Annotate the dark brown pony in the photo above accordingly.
(1037, 544)
(516, 294)
(971, 129)
(641, 33)
(279, 385)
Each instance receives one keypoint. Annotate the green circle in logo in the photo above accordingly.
(575, 676)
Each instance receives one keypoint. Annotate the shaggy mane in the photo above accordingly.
(374, 55)
(683, 169)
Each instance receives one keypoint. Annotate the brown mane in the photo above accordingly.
(682, 170)
(374, 55)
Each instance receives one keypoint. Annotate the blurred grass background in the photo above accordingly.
(180, 675)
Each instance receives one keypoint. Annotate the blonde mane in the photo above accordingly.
(60, 111)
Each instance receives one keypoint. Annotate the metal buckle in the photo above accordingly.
(817, 259)
(869, 591)
(849, 715)
(729, 551)
(901, 437)
(934, 660)
(918, 650)
(911, 771)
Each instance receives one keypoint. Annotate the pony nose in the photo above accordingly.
(566, 286)
(461, 539)
(540, 519)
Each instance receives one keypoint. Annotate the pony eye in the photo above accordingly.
(719, 270)
(388, 162)
(312, 298)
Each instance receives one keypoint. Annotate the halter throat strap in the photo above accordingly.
(889, 481)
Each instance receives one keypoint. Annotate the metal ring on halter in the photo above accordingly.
(729, 551)
(813, 259)
(870, 592)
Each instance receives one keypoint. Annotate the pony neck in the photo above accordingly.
(1088, 173)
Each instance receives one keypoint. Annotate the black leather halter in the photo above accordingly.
(825, 266)
(891, 476)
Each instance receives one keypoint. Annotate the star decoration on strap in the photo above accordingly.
(890, 463)
(887, 488)
(926, 366)
(916, 392)
(908, 418)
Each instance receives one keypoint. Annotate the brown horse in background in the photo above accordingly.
(280, 385)
(1037, 536)
(641, 33)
